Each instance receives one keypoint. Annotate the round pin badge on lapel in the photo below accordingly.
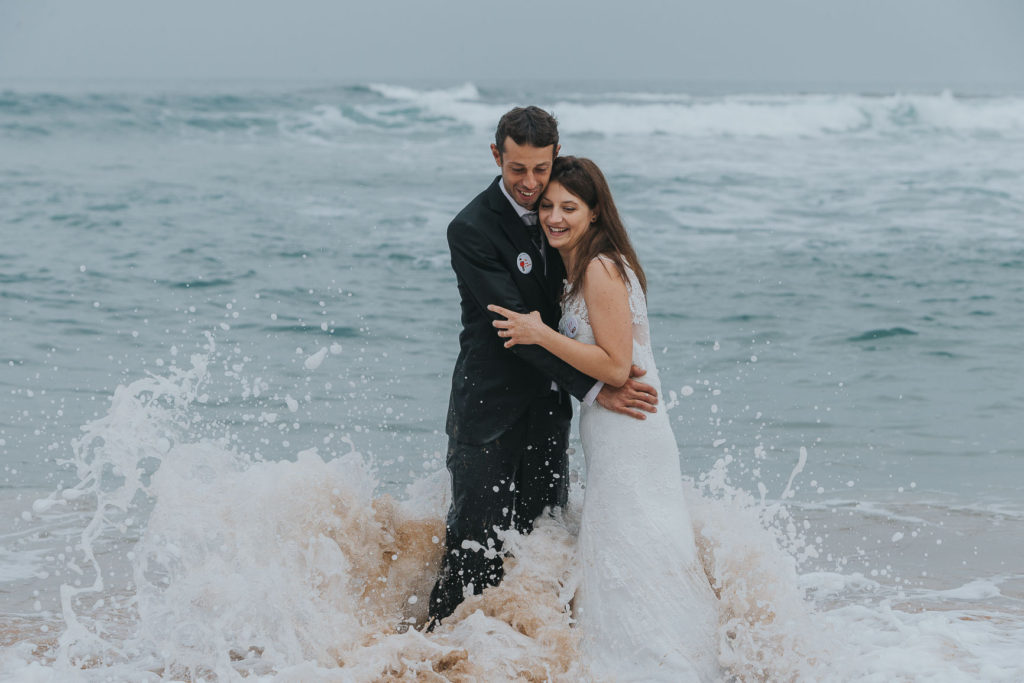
(524, 263)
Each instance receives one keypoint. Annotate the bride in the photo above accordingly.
(644, 606)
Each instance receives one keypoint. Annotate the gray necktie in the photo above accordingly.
(533, 230)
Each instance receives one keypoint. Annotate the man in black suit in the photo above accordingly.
(509, 411)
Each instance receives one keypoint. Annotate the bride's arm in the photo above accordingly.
(607, 299)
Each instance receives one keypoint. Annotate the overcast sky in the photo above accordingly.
(902, 42)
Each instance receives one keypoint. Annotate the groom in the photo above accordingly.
(509, 410)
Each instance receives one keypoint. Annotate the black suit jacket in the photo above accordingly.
(493, 386)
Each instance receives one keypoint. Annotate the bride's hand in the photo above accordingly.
(519, 328)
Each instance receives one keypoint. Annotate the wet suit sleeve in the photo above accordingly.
(475, 261)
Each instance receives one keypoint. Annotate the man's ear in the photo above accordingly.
(497, 154)
(558, 148)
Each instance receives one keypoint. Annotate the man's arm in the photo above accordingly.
(476, 262)
(607, 358)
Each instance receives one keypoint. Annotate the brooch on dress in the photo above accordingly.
(569, 326)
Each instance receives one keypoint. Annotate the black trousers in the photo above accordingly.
(504, 484)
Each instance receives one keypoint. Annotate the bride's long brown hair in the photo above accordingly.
(607, 235)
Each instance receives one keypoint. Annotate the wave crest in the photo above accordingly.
(328, 115)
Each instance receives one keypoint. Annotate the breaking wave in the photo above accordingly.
(322, 115)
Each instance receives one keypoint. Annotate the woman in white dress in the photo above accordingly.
(644, 606)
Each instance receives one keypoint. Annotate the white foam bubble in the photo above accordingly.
(315, 360)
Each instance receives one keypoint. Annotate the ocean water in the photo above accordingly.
(229, 322)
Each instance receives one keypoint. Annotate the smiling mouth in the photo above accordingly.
(557, 231)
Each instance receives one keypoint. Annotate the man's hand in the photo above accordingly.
(631, 398)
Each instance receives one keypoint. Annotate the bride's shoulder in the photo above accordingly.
(606, 263)
(614, 267)
(603, 269)
(604, 278)
(611, 275)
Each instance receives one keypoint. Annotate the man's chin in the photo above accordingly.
(527, 202)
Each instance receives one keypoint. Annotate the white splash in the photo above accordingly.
(299, 570)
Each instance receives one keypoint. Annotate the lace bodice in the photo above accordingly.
(575, 322)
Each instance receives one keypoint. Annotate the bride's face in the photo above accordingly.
(564, 216)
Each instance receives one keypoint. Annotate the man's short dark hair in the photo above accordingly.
(527, 126)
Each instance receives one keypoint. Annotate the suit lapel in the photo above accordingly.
(512, 225)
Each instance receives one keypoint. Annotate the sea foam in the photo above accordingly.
(299, 569)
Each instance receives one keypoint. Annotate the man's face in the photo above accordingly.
(524, 170)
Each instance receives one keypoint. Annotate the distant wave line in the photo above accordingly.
(335, 113)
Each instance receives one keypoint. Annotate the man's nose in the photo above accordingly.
(531, 180)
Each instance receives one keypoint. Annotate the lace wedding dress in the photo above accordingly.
(644, 606)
